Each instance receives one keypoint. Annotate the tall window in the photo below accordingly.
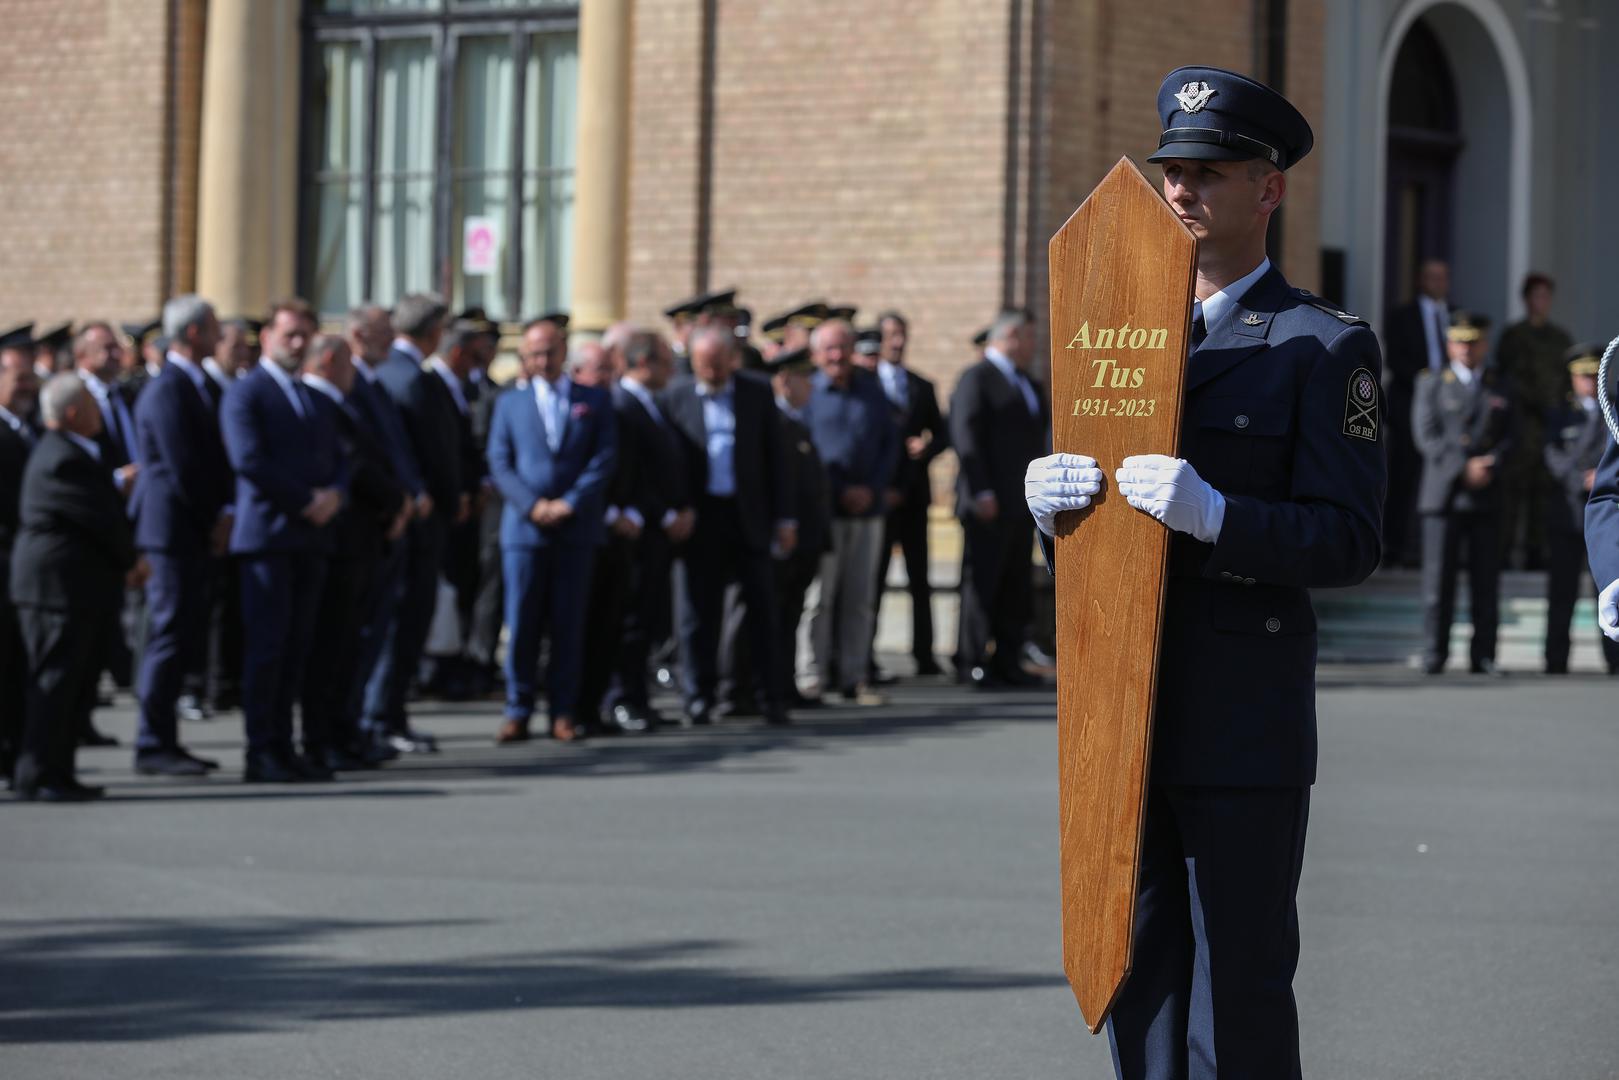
(439, 152)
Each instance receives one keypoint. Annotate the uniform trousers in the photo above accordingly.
(176, 635)
(281, 594)
(1567, 566)
(845, 611)
(908, 527)
(1444, 538)
(65, 650)
(546, 590)
(1210, 992)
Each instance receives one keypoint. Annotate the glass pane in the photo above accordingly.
(485, 97)
(407, 93)
(361, 7)
(550, 111)
(335, 226)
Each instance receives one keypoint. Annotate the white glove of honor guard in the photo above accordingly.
(1608, 611)
(1170, 490)
(1057, 483)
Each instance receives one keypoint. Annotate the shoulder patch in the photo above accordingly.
(1331, 309)
(1360, 406)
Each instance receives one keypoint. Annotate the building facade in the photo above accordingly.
(609, 156)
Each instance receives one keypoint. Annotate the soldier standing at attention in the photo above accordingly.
(1532, 355)
(1465, 425)
(1280, 491)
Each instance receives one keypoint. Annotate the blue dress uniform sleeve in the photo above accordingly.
(1602, 519)
(1329, 531)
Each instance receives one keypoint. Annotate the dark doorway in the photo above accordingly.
(1424, 141)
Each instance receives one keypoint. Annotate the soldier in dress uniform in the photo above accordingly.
(51, 351)
(790, 330)
(1280, 491)
(1531, 354)
(1465, 426)
(1576, 435)
(147, 352)
(1602, 537)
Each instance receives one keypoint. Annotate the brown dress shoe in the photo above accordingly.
(512, 731)
(563, 729)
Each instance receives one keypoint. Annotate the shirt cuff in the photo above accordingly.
(632, 514)
(669, 517)
(611, 515)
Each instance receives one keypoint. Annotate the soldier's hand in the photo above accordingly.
(1608, 611)
(917, 445)
(1170, 490)
(1477, 472)
(1057, 484)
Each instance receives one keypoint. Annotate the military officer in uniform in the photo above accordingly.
(1602, 537)
(1576, 435)
(1465, 426)
(1280, 491)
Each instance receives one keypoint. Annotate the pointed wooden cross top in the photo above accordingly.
(1122, 271)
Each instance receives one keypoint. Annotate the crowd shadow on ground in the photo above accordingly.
(148, 980)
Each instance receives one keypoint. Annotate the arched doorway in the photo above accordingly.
(1424, 140)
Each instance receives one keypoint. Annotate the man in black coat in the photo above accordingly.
(1464, 423)
(1414, 342)
(73, 548)
(730, 431)
(792, 371)
(999, 420)
(19, 390)
(1576, 436)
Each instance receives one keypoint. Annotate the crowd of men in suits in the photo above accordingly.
(1492, 459)
(312, 526)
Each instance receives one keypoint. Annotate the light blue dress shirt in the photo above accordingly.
(719, 421)
(552, 400)
(1220, 304)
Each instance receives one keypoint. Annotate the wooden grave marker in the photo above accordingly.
(1122, 273)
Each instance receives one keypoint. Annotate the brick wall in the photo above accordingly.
(82, 143)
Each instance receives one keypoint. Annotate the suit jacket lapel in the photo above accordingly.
(1241, 333)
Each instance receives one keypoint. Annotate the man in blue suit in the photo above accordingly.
(291, 481)
(182, 519)
(551, 453)
(1280, 491)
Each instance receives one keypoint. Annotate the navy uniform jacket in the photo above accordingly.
(1602, 519)
(525, 470)
(1575, 440)
(1282, 416)
(280, 459)
(1452, 422)
(185, 477)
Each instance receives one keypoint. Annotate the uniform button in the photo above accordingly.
(1247, 581)
(1273, 624)
(1242, 420)
(1225, 573)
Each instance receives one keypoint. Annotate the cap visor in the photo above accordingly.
(1198, 151)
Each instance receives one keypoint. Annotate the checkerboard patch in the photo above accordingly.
(1360, 406)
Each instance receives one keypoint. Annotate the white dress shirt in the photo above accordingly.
(288, 387)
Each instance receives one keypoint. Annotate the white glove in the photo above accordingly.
(1608, 610)
(1057, 483)
(1170, 490)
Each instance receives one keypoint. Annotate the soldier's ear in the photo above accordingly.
(1273, 188)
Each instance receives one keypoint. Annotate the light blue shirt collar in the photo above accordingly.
(84, 444)
(1217, 306)
(192, 371)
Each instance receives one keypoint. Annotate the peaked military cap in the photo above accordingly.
(56, 337)
(846, 312)
(868, 341)
(1210, 114)
(981, 338)
(1467, 325)
(478, 320)
(18, 337)
(790, 360)
(722, 301)
(139, 332)
(809, 316)
(558, 319)
(1584, 359)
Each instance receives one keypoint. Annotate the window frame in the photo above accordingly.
(444, 29)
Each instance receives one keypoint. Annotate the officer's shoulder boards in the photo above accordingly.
(1360, 405)
(1331, 309)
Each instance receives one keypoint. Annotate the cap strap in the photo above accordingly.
(1217, 137)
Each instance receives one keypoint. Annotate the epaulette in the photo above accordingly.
(1331, 309)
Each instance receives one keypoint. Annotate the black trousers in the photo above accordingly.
(793, 579)
(908, 527)
(1444, 538)
(1566, 568)
(332, 673)
(66, 651)
(997, 595)
(13, 679)
(717, 556)
(1405, 476)
(645, 621)
(604, 623)
(216, 677)
(489, 605)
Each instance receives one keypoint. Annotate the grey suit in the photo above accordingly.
(1575, 439)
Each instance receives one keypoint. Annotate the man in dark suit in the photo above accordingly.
(730, 432)
(1465, 424)
(418, 323)
(1576, 436)
(73, 547)
(375, 516)
(291, 481)
(1414, 342)
(551, 454)
(923, 437)
(999, 419)
(182, 520)
(1279, 490)
(19, 391)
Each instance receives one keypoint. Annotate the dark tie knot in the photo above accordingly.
(1200, 329)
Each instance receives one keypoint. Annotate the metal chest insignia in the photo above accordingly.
(1360, 406)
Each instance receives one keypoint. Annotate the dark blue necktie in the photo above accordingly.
(1200, 330)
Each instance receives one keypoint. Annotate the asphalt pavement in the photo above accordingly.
(870, 893)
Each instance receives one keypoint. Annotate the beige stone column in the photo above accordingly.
(602, 164)
(247, 212)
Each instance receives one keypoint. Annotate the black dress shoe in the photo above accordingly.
(377, 752)
(168, 763)
(876, 676)
(698, 714)
(776, 716)
(1557, 669)
(69, 792)
(927, 666)
(1019, 678)
(312, 766)
(742, 706)
(341, 760)
(1487, 667)
(269, 769)
(91, 737)
(208, 763)
(796, 700)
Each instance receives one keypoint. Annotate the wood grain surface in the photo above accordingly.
(1122, 273)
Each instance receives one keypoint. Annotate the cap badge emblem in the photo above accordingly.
(1194, 95)
(1251, 319)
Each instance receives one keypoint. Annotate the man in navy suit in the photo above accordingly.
(551, 454)
(291, 481)
(1280, 491)
(182, 519)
